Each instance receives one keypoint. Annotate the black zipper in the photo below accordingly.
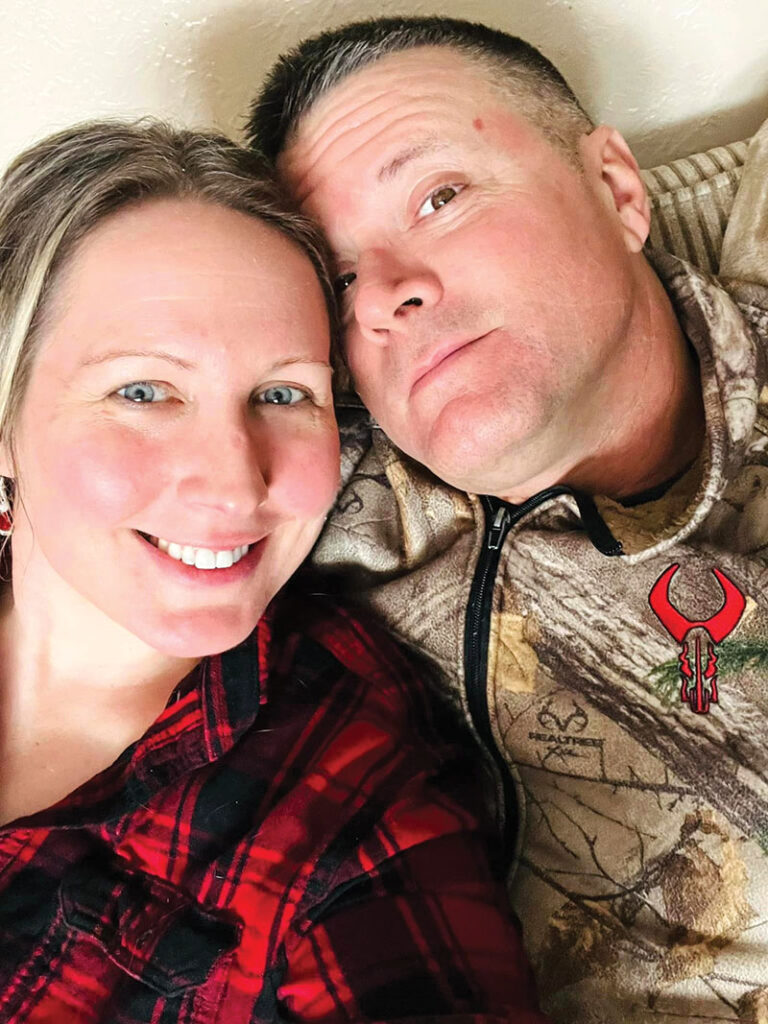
(500, 517)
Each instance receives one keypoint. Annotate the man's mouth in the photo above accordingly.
(199, 557)
(439, 354)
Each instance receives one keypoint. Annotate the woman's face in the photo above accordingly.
(180, 404)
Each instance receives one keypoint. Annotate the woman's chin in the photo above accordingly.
(198, 636)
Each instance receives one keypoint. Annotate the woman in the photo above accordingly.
(269, 833)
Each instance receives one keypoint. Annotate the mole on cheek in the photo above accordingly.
(478, 124)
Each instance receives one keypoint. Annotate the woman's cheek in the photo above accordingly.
(309, 476)
(110, 477)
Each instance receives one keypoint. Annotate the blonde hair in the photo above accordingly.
(57, 191)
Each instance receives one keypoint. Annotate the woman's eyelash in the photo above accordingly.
(142, 392)
(282, 394)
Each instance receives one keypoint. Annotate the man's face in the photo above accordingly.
(489, 284)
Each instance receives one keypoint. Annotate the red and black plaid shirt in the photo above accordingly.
(289, 841)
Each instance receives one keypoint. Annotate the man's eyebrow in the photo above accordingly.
(405, 156)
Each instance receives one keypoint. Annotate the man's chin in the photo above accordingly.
(461, 465)
(482, 455)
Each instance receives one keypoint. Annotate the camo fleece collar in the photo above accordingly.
(733, 374)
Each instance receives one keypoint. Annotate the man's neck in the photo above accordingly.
(649, 422)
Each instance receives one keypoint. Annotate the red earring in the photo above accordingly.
(6, 520)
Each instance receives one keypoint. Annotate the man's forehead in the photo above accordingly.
(370, 109)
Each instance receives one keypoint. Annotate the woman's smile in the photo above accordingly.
(200, 555)
(189, 564)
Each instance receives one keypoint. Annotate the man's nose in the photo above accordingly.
(227, 470)
(390, 290)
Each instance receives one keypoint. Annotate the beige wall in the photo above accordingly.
(673, 75)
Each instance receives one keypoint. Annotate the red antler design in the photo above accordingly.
(718, 626)
(658, 599)
(726, 620)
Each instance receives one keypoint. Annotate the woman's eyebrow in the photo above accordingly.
(293, 360)
(105, 357)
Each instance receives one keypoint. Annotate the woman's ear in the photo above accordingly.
(607, 158)
(6, 462)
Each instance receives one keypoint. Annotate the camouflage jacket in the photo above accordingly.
(641, 876)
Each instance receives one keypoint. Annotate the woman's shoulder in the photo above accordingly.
(338, 694)
(322, 632)
(360, 711)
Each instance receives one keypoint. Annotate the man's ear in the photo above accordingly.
(605, 153)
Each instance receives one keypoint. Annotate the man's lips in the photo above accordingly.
(439, 354)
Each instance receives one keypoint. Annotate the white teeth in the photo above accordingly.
(204, 559)
(224, 559)
(201, 558)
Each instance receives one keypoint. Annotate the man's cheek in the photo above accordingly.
(368, 376)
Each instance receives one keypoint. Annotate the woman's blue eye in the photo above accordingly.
(282, 394)
(142, 392)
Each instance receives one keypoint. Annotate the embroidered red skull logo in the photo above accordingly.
(698, 638)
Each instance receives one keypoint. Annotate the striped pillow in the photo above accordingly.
(691, 201)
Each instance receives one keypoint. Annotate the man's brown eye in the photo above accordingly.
(343, 282)
(442, 196)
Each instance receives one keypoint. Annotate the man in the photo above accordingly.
(562, 425)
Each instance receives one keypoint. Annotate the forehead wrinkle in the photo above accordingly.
(328, 122)
(304, 187)
(440, 63)
(410, 84)
(327, 136)
(327, 110)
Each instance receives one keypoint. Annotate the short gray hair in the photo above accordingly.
(300, 77)
(57, 191)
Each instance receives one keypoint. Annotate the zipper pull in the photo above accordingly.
(498, 528)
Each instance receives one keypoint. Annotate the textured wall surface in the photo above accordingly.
(673, 75)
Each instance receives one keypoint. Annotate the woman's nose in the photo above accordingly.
(227, 470)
